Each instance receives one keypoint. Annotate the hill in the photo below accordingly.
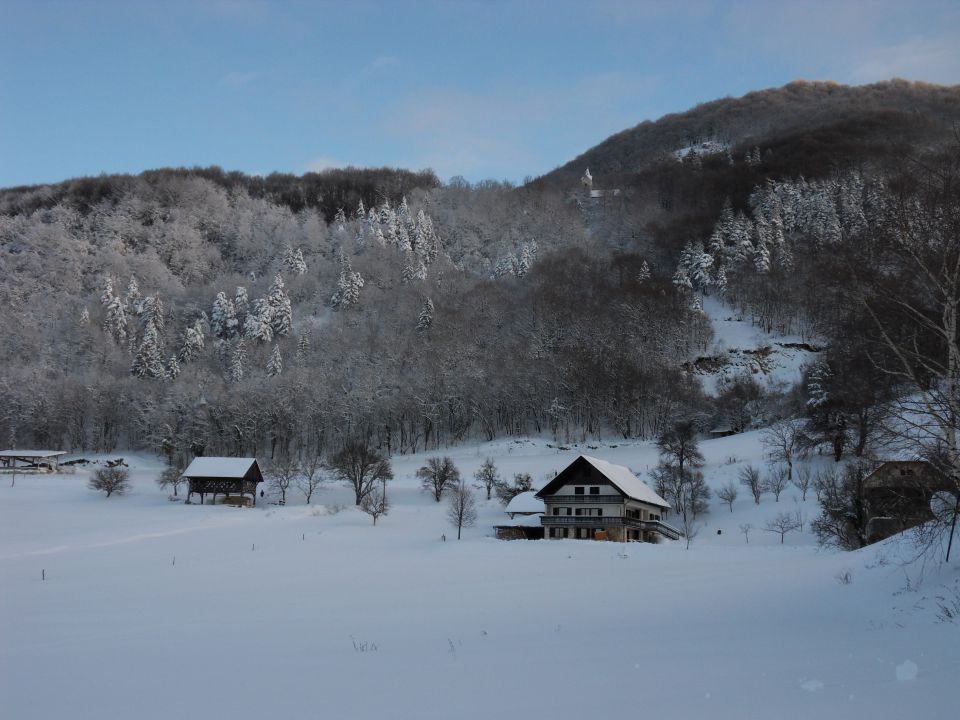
(822, 121)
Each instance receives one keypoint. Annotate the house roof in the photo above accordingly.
(619, 476)
(525, 502)
(222, 467)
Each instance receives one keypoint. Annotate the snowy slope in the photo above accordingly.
(153, 609)
(741, 348)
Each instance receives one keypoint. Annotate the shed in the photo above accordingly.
(32, 460)
(526, 503)
(229, 476)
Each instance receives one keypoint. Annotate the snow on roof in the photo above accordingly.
(225, 467)
(521, 521)
(525, 502)
(629, 483)
(31, 453)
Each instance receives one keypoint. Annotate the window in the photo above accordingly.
(556, 511)
(599, 512)
(578, 490)
(595, 490)
(577, 511)
(568, 512)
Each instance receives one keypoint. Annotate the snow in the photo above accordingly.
(135, 606)
(219, 467)
(629, 483)
(739, 347)
(525, 502)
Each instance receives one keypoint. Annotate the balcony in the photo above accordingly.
(585, 500)
(657, 526)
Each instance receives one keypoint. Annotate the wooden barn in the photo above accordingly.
(897, 496)
(235, 478)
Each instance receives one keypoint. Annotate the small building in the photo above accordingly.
(231, 477)
(897, 496)
(595, 499)
(525, 511)
(31, 460)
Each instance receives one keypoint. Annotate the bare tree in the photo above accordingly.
(310, 477)
(375, 502)
(783, 523)
(111, 480)
(522, 482)
(843, 507)
(462, 510)
(438, 475)
(778, 477)
(728, 493)
(783, 441)
(803, 481)
(360, 467)
(487, 477)
(171, 477)
(282, 474)
(745, 528)
(750, 479)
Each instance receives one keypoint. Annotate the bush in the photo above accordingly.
(111, 480)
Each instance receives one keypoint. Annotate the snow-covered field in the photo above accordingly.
(155, 609)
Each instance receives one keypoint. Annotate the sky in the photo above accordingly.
(483, 90)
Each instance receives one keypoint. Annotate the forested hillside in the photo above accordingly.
(194, 311)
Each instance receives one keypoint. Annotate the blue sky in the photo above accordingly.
(480, 89)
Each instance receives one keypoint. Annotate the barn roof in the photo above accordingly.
(621, 477)
(221, 467)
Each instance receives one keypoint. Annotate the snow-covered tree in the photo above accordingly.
(644, 273)
(340, 220)
(303, 347)
(425, 320)
(84, 317)
(172, 371)
(133, 298)
(275, 364)
(192, 344)
(348, 286)
(147, 362)
(259, 325)
(237, 360)
(241, 307)
(293, 261)
(281, 317)
(223, 318)
(524, 261)
(115, 313)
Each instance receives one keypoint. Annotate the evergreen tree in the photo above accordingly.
(241, 307)
(425, 320)
(134, 298)
(115, 316)
(361, 213)
(223, 318)
(340, 220)
(259, 325)
(644, 273)
(237, 360)
(275, 365)
(524, 261)
(173, 368)
(84, 317)
(146, 362)
(281, 316)
(348, 286)
(192, 342)
(303, 347)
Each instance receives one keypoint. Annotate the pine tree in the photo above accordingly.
(340, 220)
(146, 362)
(134, 298)
(259, 325)
(173, 368)
(223, 318)
(84, 317)
(237, 360)
(281, 314)
(361, 213)
(115, 320)
(303, 347)
(275, 364)
(241, 307)
(151, 311)
(192, 342)
(294, 262)
(425, 320)
(524, 261)
(348, 286)
(644, 273)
